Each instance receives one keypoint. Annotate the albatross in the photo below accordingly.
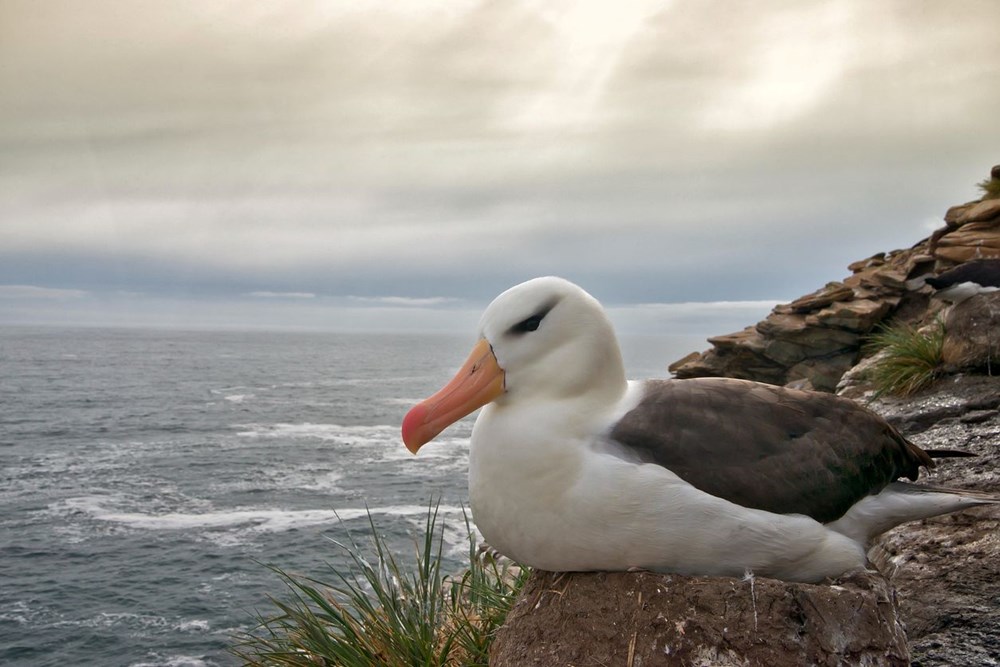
(573, 468)
(980, 276)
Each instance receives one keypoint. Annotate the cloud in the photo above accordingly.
(281, 295)
(702, 319)
(35, 292)
(652, 152)
(709, 306)
(419, 302)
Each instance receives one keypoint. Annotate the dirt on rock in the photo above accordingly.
(646, 619)
(946, 570)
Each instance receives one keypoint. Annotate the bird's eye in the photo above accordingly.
(527, 325)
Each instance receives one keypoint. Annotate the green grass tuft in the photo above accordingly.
(910, 359)
(990, 188)
(382, 612)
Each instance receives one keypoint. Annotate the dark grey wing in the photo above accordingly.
(983, 272)
(771, 448)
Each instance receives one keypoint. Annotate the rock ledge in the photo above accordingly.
(649, 619)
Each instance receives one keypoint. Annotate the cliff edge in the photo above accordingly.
(813, 341)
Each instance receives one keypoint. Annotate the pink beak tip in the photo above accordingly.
(412, 422)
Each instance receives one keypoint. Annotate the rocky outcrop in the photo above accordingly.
(648, 619)
(812, 341)
(945, 569)
(970, 232)
(972, 334)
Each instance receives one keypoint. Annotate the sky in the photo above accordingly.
(387, 165)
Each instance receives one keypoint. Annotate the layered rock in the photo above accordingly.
(815, 339)
(970, 232)
(811, 342)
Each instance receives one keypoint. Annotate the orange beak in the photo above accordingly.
(478, 382)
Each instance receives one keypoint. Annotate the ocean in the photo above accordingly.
(148, 476)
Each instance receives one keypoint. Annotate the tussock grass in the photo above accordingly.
(910, 358)
(384, 612)
(990, 188)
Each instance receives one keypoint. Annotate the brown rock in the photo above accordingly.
(892, 279)
(988, 209)
(879, 280)
(648, 619)
(972, 334)
(975, 240)
(815, 341)
(747, 338)
(856, 381)
(859, 315)
(784, 352)
(736, 363)
(739, 355)
(875, 260)
(955, 213)
(782, 325)
(830, 293)
(688, 359)
(821, 374)
(920, 264)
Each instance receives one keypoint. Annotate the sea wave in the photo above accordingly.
(348, 434)
(175, 661)
(255, 519)
(283, 478)
(23, 612)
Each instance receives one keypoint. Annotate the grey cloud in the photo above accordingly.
(449, 150)
(35, 292)
(264, 294)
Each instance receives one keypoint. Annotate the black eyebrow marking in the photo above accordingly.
(532, 323)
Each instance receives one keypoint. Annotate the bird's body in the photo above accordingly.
(583, 503)
(980, 276)
(573, 468)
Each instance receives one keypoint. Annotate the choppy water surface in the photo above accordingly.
(146, 475)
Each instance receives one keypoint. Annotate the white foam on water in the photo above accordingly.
(323, 481)
(110, 620)
(238, 398)
(335, 432)
(253, 520)
(226, 539)
(195, 625)
(401, 401)
(174, 661)
(442, 453)
(223, 390)
(19, 612)
(284, 478)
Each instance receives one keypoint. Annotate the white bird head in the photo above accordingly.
(543, 337)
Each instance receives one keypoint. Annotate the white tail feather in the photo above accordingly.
(899, 503)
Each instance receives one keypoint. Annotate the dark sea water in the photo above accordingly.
(147, 476)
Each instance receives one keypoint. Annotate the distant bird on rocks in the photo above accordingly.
(979, 276)
(573, 468)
